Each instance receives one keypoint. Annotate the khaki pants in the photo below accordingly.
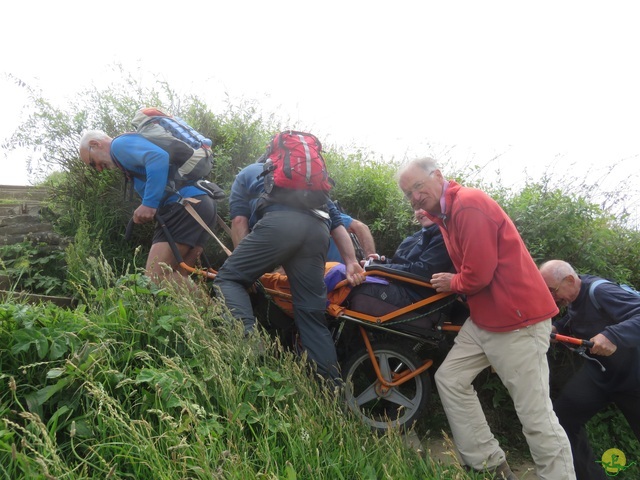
(519, 358)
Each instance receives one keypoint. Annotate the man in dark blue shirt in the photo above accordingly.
(613, 325)
(267, 235)
(148, 165)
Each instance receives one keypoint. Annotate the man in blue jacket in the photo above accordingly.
(148, 166)
(266, 235)
(612, 323)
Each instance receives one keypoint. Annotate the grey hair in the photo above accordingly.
(558, 269)
(92, 135)
(428, 164)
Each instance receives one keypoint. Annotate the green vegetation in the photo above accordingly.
(34, 267)
(140, 382)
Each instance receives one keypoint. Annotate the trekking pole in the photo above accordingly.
(129, 230)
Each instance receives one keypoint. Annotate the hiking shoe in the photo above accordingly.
(256, 342)
(503, 472)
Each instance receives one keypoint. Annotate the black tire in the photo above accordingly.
(399, 406)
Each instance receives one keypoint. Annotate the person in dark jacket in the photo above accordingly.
(268, 234)
(422, 253)
(614, 328)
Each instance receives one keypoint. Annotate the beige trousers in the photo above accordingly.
(519, 359)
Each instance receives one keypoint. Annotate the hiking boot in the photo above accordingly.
(256, 342)
(502, 472)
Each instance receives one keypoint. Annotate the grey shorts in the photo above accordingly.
(182, 227)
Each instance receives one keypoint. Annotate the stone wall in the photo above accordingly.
(20, 218)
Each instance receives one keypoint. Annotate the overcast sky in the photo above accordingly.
(539, 84)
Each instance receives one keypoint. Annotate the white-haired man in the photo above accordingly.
(147, 165)
(508, 328)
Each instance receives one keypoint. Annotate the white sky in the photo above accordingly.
(540, 84)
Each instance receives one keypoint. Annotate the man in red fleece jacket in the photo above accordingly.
(508, 328)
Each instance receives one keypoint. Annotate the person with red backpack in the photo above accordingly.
(274, 225)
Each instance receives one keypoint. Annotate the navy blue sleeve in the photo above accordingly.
(334, 215)
(561, 325)
(246, 190)
(239, 205)
(623, 308)
(422, 254)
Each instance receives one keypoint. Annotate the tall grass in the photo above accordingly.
(146, 382)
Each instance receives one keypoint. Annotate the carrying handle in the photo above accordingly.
(581, 346)
(573, 340)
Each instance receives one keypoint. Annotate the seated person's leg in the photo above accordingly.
(378, 299)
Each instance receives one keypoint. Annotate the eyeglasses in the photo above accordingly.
(92, 163)
(416, 187)
(554, 290)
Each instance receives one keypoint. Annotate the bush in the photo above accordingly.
(34, 268)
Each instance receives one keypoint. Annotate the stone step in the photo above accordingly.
(25, 228)
(12, 220)
(31, 298)
(48, 237)
(23, 192)
(22, 208)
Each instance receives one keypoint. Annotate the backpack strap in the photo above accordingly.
(187, 204)
(592, 295)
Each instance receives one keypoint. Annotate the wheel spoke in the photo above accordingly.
(394, 396)
(402, 400)
(385, 368)
(367, 395)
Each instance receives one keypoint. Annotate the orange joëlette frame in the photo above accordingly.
(278, 289)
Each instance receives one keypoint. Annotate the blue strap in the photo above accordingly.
(592, 289)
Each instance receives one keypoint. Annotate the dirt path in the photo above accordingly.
(441, 450)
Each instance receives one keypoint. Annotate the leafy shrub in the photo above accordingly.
(367, 190)
(35, 268)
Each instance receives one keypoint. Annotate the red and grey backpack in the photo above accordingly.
(295, 172)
